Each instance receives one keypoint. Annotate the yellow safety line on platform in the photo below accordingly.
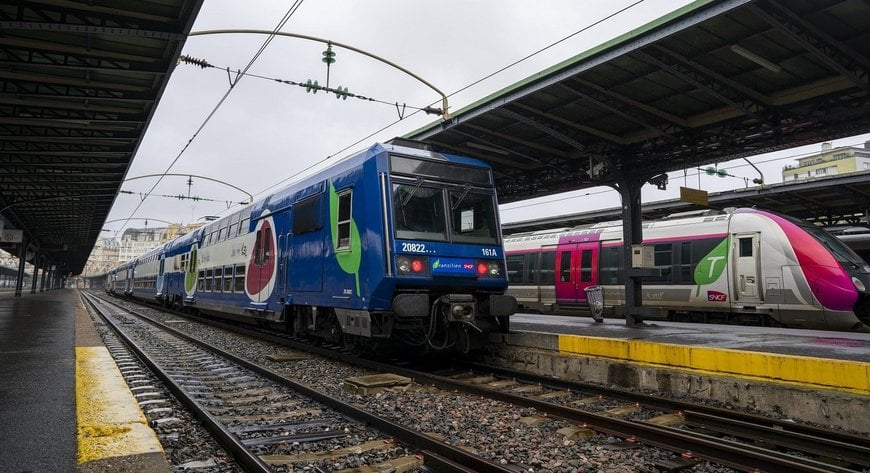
(110, 423)
(847, 375)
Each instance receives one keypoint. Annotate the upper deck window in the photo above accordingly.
(344, 220)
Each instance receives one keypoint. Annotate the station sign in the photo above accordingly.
(11, 236)
(693, 196)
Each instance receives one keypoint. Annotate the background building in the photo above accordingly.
(108, 252)
(831, 161)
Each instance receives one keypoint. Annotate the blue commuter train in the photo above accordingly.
(394, 244)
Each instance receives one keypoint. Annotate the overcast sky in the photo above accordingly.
(267, 132)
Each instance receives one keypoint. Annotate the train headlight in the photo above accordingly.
(858, 284)
(403, 264)
(488, 269)
(412, 265)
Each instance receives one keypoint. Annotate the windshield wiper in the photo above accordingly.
(417, 184)
(465, 190)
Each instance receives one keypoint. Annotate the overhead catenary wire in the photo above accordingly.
(283, 21)
(310, 86)
(472, 84)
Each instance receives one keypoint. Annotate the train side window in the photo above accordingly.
(208, 279)
(306, 215)
(745, 247)
(232, 229)
(610, 263)
(586, 266)
(267, 244)
(548, 266)
(243, 226)
(261, 246)
(663, 258)
(223, 234)
(239, 282)
(565, 267)
(228, 279)
(532, 272)
(686, 269)
(200, 282)
(344, 220)
(218, 273)
(515, 268)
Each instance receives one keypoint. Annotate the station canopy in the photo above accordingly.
(79, 82)
(711, 82)
(714, 81)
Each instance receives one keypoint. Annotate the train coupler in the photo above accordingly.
(460, 307)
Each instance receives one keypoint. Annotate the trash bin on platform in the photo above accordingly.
(595, 299)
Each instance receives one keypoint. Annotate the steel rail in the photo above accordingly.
(824, 447)
(733, 454)
(437, 450)
(245, 457)
(861, 442)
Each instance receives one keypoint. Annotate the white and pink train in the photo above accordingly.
(742, 266)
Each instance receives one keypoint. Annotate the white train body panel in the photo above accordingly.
(749, 265)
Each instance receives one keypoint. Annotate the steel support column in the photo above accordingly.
(42, 284)
(34, 283)
(629, 188)
(632, 234)
(22, 254)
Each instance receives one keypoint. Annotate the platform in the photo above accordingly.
(816, 376)
(65, 405)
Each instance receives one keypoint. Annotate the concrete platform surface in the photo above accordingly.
(65, 405)
(785, 341)
(815, 376)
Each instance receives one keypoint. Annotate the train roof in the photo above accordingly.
(680, 218)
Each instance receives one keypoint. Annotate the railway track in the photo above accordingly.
(269, 422)
(623, 420)
(742, 441)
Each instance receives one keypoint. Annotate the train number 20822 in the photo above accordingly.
(413, 247)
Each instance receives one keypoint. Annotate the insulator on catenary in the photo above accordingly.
(194, 61)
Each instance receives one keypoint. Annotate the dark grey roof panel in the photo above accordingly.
(712, 82)
(79, 82)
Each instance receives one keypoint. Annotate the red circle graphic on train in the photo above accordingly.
(260, 273)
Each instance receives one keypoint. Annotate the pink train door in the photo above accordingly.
(576, 269)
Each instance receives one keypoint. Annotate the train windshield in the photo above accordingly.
(472, 217)
(841, 252)
(421, 212)
(418, 211)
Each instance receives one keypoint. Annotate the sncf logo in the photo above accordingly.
(716, 296)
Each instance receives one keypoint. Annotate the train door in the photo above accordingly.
(129, 280)
(285, 240)
(260, 273)
(160, 268)
(747, 267)
(576, 269)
